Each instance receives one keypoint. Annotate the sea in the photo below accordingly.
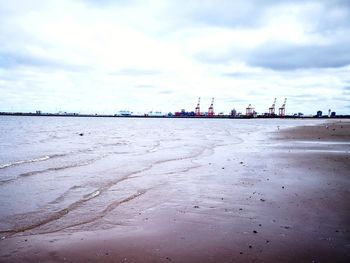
(60, 173)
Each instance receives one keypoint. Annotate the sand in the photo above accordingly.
(290, 204)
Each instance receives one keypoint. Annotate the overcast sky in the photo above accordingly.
(102, 56)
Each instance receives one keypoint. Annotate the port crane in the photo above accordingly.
(211, 108)
(272, 108)
(249, 111)
(198, 109)
(282, 110)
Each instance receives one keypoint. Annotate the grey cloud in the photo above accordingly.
(302, 96)
(145, 86)
(108, 3)
(243, 75)
(286, 56)
(237, 75)
(247, 14)
(279, 56)
(334, 15)
(225, 13)
(16, 59)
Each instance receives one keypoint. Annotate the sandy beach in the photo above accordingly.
(279, 196)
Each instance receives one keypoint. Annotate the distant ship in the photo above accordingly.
(156, 113)
(123, 113)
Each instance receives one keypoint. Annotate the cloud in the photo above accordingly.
(285, 56)
(145, 86)
(102, 56)
(19, 59)
(135, 72)
(166, 92)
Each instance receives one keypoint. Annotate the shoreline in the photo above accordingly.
(282, 204)
(172, 117)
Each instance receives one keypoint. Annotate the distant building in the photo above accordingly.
(124, 113)
(156, 114)
(319, 114)
(333, 114)
(38, 112)
(233, 112)
(183, 112)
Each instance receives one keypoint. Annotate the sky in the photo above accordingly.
(102, 56)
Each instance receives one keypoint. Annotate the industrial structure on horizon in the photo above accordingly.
(250, 111)
(197, 113)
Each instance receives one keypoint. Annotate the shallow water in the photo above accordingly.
(52, 178)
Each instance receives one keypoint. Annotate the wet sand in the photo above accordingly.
(286, 204)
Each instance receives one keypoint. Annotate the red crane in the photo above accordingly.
(272, 108)
(249, 111)
(211, 108)
(282, 110)
(198, 109)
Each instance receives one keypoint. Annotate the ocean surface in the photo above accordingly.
(59, 173)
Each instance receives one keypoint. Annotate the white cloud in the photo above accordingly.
(92, 56)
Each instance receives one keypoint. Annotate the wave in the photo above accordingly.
(47, 219)
(51, 169)
(2, 166)
(43, 220)
(46, 157)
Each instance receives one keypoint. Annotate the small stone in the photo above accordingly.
(250, 246)
(223, 168)
(240, 209)
(241, 253)
(25, 240)
(267, 241)
(282, 187)
(255, 232)
(259, 224)
(262, 200)
(222, 198)
(81, 134)
(241, 162)
(196, 206)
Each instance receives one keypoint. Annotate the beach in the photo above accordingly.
(175, 190)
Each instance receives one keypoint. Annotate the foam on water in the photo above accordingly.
(24, 161)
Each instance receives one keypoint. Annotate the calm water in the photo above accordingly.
(51, 178)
